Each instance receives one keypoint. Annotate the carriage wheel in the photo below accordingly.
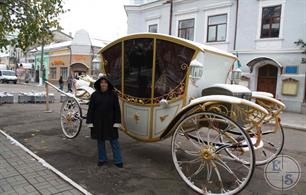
(271, 145)
(71, 118)
(200, 157)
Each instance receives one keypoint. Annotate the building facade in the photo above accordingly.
(261, 32)
(73, 57)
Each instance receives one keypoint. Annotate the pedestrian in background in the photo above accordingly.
(61, 83)
(69, 83)
(104, 118)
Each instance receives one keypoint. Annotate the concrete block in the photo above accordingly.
(25, 98)
(35, 97)
(6, 98)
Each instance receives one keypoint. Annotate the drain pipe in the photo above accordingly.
(236, 24)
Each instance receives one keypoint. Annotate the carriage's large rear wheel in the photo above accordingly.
(71, 118)
(200, 158)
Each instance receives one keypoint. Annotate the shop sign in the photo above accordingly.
(79, 58)
(57, 62)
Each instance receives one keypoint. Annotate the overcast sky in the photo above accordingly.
(103, 19)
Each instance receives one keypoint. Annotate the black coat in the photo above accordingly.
(103, 112)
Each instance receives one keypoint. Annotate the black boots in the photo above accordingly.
(101, 163)
(119, 165)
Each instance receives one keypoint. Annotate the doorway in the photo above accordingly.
(267, 79)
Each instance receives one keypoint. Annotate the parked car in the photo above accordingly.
(3, 66)
(7, 76)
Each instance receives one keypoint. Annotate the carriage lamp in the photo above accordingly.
(236, 76)
(96, 65)
(196, 70)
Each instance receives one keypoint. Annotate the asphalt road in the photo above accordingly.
(148, 166)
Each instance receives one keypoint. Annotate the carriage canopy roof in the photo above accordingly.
(149, 67)
(177, 40)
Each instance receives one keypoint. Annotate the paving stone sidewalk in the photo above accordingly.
(294, 120)
(20, 173)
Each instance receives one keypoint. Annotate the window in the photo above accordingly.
(138, 63)
(270, 23)
(171, 67)
(64, 72)
(216, 29)
(112, 64)
(52, 73)
(153, 28)
(186, 29)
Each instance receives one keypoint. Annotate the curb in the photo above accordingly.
(296, 127)
(287, 125)
(31, 84)
(45, 164)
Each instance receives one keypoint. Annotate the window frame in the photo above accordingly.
(179, 29)
(270, 22)
(51, 69)
(153, 24)
(61, 72)
(216, 25)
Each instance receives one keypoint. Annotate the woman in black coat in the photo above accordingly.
(104, 118)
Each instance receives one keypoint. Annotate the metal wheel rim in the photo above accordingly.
(185, 178)
(76, 118)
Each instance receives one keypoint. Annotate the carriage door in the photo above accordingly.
(267, 79)
(137, 87)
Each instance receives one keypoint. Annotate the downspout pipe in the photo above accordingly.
(170, 17)
(236, 24)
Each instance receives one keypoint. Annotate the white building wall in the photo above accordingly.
(249, 45)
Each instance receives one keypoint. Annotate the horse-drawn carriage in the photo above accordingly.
(171, 87)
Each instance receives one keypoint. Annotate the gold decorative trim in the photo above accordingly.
(162, 118)
(136, 117)
(177, 93)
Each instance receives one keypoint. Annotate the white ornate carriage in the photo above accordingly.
(169, 86)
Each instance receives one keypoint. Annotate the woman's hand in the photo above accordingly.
(117, 126)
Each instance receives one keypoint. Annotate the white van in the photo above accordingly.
(3, 66)
(7, 76)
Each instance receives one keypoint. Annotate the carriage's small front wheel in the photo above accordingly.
(200, 157)
(71, 118)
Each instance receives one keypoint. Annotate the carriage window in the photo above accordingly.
(172, 62)
(138, 60)
(112, 58)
